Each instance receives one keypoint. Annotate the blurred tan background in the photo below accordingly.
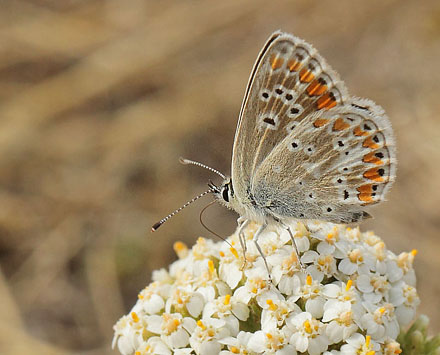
(98, 99)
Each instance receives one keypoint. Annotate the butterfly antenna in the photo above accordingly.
(163, 220)
(191, 162)
(204, 225)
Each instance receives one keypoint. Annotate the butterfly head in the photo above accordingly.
(225, 192)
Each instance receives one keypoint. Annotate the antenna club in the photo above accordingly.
(156, 226)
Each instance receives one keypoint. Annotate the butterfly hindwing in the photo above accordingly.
(342, 160)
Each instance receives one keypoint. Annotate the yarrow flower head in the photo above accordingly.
(345, 293)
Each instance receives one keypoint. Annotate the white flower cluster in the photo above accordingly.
(351, 296)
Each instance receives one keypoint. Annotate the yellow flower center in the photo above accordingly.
(307, 327)
(169, 323)
(211, 266)
(227, 300)
(234, 350)
(180, 249)
(135, 317)
(201, 325)
(272, 306)
(346, 318)
(355, 256)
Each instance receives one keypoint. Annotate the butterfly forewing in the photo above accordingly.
(303, 148)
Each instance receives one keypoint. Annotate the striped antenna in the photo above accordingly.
(163, 220)
(191, 162)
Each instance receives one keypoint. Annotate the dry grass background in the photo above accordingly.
(98, 99)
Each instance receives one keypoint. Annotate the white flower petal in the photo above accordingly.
(325, 248)
(195, 304)
(316, 274)
(179, 338)
(315, 307)
(257, 342)
(210, 348)
(363, 283)
(347, 267)
(405, 315)
(318, 345)
(240, 310)
(231, 274)
(154, 305)
(155, 324)
(300, 342)
(309, 256)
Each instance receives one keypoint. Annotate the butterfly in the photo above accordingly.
(304, 148)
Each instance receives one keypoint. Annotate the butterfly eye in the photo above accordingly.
(225, 193)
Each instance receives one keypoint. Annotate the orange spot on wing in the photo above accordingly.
(293, 65)
(326, 101)
(276, 62)
(340, 125)
(369, 143)
(359, 132)
(365, 198)
(316, 88)
(365, 189)
(372, 159)
(320, 122)
(373, 174)
(306, 76)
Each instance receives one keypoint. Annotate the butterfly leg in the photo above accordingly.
(255, 240)
(294, 244)
(242, 222)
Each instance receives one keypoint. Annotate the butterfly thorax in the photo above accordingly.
(246, 206)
